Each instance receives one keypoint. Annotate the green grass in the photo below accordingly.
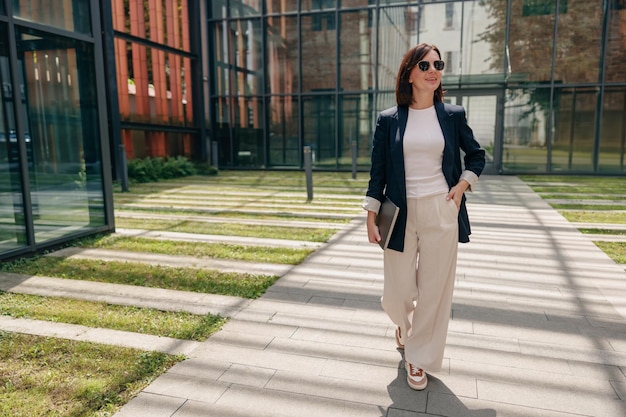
(233, 214)
(582, 188)
(602, 232)
(155, 276)
(285, 181)
(615, 250)
(49, 377)
(228, 229)
(176, 324)
(288, 256)
(585, 216)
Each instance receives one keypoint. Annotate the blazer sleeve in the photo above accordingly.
(378, 180)
(474, 159)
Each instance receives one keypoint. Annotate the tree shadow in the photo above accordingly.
(436, 400)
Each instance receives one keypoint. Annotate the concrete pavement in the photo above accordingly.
(538, 328)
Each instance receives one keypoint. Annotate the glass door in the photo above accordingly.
(484, 115)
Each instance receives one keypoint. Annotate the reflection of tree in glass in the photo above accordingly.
(531, 33)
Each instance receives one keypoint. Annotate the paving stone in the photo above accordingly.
(146, 404)
(181, 386)
(255, 400)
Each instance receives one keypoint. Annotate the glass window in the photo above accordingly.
(247, 56)
(346, 4)
(575, 116)
(62, 121)
(282, 55)
(357, 118)
(74, 15)
(529, 60)
(542, 7)
(357, 51)
(153, 85)
(221, 128)
(246, 8)
(526, 130)
(12, 227)
(319, 57)
(284, 142)
(482, 51)
(248, 118)
(319, 129)
(613, 137)
(396, 35)
(220, 61)
(307, 5)
(218, 9)
(281, 6)
(615, 61)
(161, 22)
(579, 42)
(151, 143)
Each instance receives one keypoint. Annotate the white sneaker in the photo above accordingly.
(415, 377)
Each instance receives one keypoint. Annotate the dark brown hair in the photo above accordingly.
(404, 90)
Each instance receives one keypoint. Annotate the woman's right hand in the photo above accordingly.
(373, 234)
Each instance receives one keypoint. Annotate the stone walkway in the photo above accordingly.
(538, 328)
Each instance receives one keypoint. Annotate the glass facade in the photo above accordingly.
(154, 71)
(54, 169)
(543, 82)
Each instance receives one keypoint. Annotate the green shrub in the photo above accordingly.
(155, 169)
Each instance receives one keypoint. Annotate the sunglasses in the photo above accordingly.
(425, 65)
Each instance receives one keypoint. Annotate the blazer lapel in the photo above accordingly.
(397, 152)
(447, 127)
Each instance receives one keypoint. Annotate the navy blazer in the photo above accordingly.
(387, 175)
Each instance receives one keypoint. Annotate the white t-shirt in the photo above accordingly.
(423, 145)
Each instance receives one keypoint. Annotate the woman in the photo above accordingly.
(416, 163)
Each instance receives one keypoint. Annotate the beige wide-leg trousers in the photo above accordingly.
(419, 281)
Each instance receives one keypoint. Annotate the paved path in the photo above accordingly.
(538, 329)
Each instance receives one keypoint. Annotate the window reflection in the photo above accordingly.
(572, 148)
(282, 55)
(356, 115)
(319, 129)
(616, 42)
(284, 143)
(526, 130)
(66, 173)
(319, 63)
(357, 49)
(73, 15)
(613, 135)
(578, 43)
(12, 227)
(530, 60)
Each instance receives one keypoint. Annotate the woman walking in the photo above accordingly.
(416, 163)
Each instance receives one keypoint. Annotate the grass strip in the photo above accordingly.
(286, 256)
(48, 377)
(176, 324)
(235, 214)
(582, 206)
(228, 229)
(155, 276)
(603, 232)
(582, 216)
(615, 250)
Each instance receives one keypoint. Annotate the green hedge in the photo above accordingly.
(155, 169)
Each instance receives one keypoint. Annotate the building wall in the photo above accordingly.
(543, 86)
(154, 83)
(55, 182)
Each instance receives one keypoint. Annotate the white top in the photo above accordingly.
(423, 145)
